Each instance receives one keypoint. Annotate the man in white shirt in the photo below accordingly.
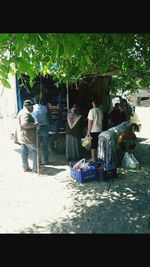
(95, 120)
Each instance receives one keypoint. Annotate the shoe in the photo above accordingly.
(34, 171)
(27, 170)
(92, 162)
(47, 163)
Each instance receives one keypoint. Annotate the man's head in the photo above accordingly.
(120, 107)
(95, 101)
(39, 99)
(28, 104)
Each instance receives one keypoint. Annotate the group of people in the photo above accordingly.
(74, 130)
(32, 122)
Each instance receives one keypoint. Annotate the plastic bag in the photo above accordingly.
(86, 142)
(129, 161)
(79, 164)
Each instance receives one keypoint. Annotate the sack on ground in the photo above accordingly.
(86, 142)
(129, 161)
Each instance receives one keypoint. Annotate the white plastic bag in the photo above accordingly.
(79, 164)
(129, 161)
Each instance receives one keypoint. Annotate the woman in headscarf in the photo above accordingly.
(74, 129)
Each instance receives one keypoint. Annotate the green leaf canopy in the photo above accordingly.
(71, 56)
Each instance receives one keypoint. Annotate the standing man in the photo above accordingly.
(40, 114)
(117, 115)
(26, 134)
(95, 119)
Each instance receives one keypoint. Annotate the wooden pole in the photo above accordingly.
(67, 96)
(38, 154)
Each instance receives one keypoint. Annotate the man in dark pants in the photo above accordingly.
(40, 114)
(95, 120)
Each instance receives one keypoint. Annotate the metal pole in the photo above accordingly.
(38, 154)
(67, 96)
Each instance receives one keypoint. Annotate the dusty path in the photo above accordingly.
(55, 203)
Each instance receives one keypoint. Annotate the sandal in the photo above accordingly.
(92, 162)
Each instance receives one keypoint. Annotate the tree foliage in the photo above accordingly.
(69, 57)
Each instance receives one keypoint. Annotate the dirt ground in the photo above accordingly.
(54, 203)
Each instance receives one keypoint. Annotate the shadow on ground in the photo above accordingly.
(54, 159)
(51, 171)
(118, 210)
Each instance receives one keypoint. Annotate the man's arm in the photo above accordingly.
(90, 124)
(24, 122)
(90, 121)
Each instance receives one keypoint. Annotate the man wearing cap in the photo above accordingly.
(26, 134)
